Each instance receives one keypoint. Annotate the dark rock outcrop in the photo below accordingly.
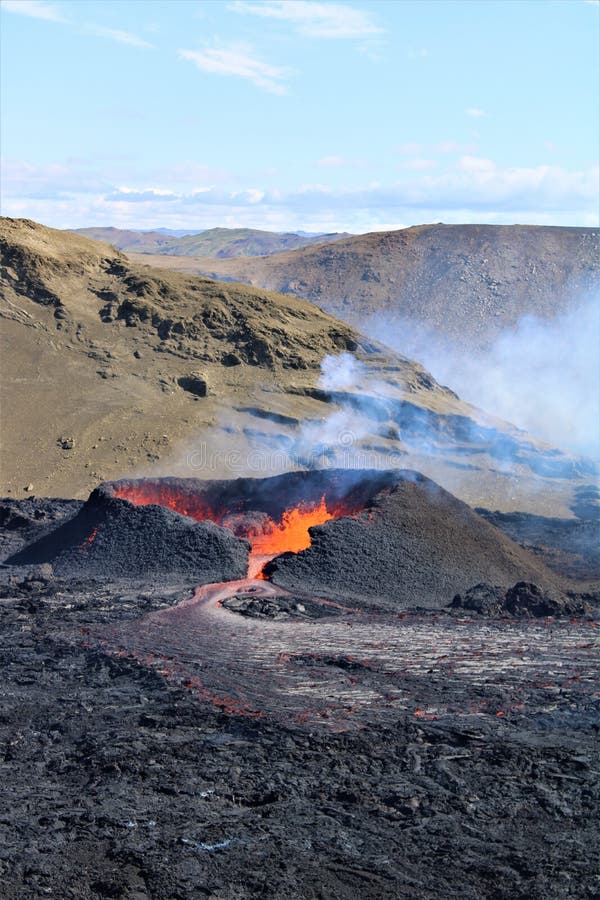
(112, 537)
(412, 545)
(522, 600)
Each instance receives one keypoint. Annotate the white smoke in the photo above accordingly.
(341, 373)
(543, 375)
(335, 438)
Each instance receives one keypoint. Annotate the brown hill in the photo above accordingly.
(221, 243)
(122, 238)
(467, 282)
(111, 369)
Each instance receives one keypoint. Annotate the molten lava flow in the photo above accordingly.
(268, 537)
(90, 540)
(170, 497)
(291, 534)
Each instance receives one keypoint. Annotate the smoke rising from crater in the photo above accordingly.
(543, 375)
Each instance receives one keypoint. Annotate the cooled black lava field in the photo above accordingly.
(171, 727)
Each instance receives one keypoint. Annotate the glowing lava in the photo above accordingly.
(170, 497)
(291, 534)
(90, 540)
(267, 536)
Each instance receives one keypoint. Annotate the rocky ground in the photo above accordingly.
(122, 778)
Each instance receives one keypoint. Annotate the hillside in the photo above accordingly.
(121, 238)
(112, 369)
(220, 243)
(465, 282)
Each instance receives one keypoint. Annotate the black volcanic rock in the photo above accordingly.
(525, 599)
(522, 600)
(568, 546)
(112, 537)
(25, 521)
(484, 599)
(397, 539)
(415, 545)
(355, 489)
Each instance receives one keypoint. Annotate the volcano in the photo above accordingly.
(382, 539)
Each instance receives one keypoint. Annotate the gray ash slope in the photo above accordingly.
(570, 547)
(416, 545)
(23, 522)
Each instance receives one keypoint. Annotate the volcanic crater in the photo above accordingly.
(381, 539)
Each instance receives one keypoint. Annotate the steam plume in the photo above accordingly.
(543, 375)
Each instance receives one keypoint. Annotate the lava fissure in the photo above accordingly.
(268, 535)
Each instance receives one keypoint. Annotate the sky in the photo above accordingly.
(300, 115)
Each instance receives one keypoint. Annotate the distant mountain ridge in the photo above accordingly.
(220, 243)
(465, 282)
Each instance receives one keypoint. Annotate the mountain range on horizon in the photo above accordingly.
(488, 309)
(220, 243)
(467, 281)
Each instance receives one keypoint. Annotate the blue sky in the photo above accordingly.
(306, 115)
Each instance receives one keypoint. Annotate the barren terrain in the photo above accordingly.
(112, 369)
(237, 741)
(466, 283)
(339, 682)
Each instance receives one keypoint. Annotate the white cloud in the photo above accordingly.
(115, 34)
(476, 164)
(410, 149)
(473, 190)
(237, 60)
(21, 179)
(135, 195)
(475, 186)
(39, 9)
(250, 195)
(341, 162)
(446, 147)
(419, 164)
(335, 162)
(475, 112)
(316, 20)
(35, 9)
(453, 147)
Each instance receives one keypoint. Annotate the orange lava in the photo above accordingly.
(269, 539)
(170, 497)
(291, 534)
(90, 540)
